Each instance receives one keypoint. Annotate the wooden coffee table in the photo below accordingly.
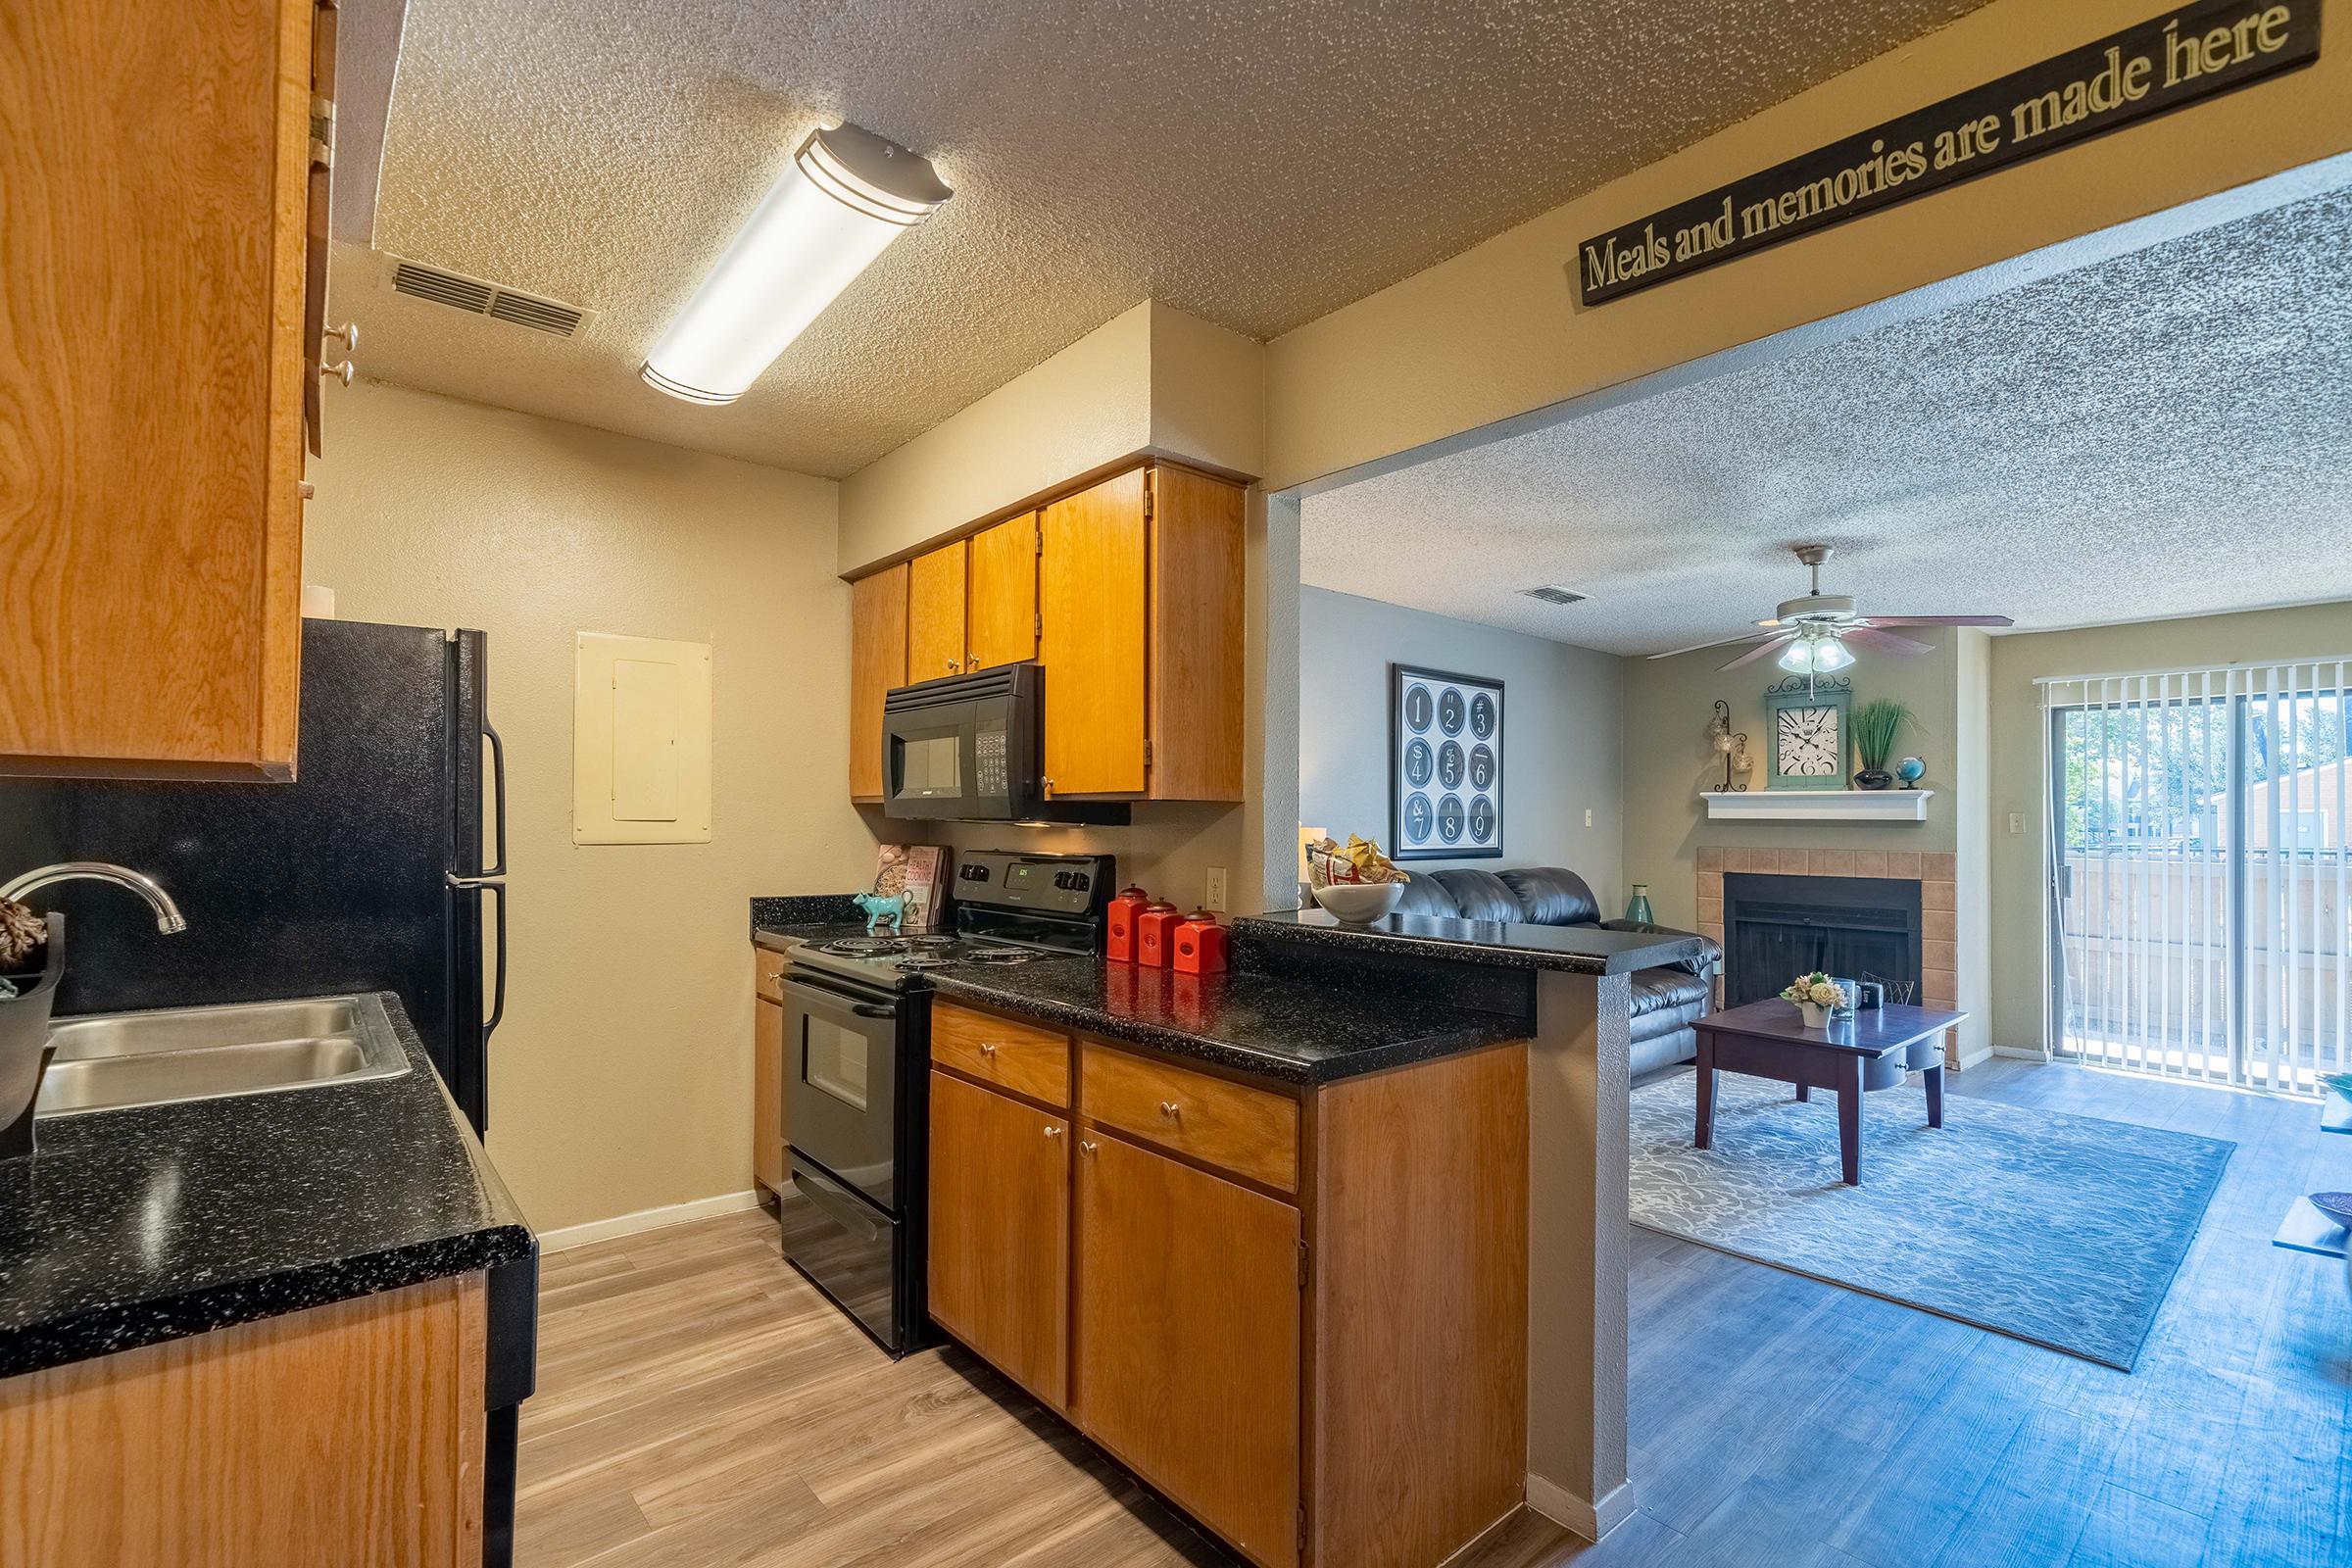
(1873, 1049)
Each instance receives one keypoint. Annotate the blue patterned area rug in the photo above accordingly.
(2065, 1230)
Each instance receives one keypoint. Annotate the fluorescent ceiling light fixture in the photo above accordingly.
(847, 194)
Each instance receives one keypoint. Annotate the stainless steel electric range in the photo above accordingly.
(857, 1053)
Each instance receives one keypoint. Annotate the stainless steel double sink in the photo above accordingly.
(109, 1061)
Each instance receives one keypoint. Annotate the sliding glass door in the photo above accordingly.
(2198, 878)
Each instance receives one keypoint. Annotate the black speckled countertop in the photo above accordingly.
(1272, 1028)
(1580, 950)
(133, 1226)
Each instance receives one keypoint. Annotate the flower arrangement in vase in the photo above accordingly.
(1816, 995)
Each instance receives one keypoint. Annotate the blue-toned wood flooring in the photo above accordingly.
(1779, 1421)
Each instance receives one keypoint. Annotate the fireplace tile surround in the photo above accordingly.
(1936, 871)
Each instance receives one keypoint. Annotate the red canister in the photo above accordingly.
(1200, 944)
(1155, 934)
(1119, 924)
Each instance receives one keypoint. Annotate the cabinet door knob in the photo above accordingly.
(341, 372)
(1169, 1108)
(988, 1048)
(1085, 1147)
(348, 333)
(1053, 1132)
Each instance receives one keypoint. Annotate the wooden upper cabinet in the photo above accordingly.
(152, 354)
(1091, 594)
(878, 662)
(1129, 592)
(1196, 632)
(1189, 1340)
(935, 609)
(1004, 594)
(999, 1217)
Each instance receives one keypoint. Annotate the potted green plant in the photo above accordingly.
(1875, 725)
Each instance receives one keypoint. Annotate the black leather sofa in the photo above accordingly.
(1667, 1001)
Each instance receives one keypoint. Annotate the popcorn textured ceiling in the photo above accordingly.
(2165, 433)
(1254, 164)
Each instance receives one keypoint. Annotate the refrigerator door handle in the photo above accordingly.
(498, 991)
(497, 994)
(498, 781)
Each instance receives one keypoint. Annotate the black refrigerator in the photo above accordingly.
(371, 871)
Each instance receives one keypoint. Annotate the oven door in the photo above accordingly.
(842, 1055)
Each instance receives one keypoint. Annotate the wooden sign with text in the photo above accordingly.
(2162, 64)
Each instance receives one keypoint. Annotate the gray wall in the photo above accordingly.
(1562, 731)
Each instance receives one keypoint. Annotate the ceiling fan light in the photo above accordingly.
(1798, 656)
(847, 194)
(1830, 653)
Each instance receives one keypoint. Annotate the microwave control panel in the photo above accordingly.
(990, 781)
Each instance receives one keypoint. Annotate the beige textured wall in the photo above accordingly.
(1495, 331)
(1087, 406)
(1150, 379)
(621, 1078)
(1208, 392)
(2020, 972)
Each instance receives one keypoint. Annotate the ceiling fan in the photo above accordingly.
(1812, 633)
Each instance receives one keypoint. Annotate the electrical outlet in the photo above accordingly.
(1213, 895)
(1588, 816)
(2017, 822)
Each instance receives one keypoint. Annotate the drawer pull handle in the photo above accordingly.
(1170, 1110)
(988, 1048)
(1053, 1132)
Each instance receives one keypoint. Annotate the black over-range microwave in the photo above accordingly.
(972, 749)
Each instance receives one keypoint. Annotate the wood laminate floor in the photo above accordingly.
(698, 1404)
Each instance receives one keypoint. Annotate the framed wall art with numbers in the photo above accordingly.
(1445, 766)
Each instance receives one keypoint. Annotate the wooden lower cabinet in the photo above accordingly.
(1305, 1323)
(999, 1223)
(352, 1432)
(1188, 1339)
(767, 1093)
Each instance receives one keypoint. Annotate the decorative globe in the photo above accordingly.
(1910, 771)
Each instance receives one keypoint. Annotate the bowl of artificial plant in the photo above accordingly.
(32, 959)
(1877, 724)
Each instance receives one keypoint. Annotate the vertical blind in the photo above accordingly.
(2197, 871)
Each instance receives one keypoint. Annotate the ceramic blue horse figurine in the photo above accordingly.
(881, 907)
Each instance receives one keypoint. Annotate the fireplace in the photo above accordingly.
(1776, 927)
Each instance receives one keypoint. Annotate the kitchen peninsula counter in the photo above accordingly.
(1281, 1029)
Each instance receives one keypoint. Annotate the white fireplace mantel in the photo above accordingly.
(1819, 805)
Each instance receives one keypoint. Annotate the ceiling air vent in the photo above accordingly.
(1554, 594)
(479, 297)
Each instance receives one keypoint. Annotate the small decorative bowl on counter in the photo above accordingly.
(1359, 902)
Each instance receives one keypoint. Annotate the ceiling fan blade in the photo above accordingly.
(1884, 642)
(1942, 620)
(1755, 653)
(1719, 642)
